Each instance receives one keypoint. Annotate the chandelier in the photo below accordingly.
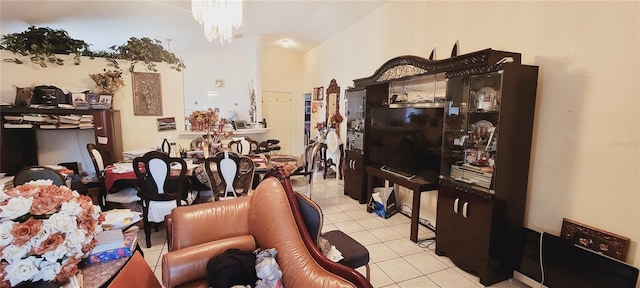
(218, 17)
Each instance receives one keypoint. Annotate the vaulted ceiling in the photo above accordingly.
(104, 23)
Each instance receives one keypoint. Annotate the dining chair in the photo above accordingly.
(302, 179)
(244, 146)
(353, 252)
(37, 173)
(230, 174)
(161, 189)
(330, 159)
(123, 192)
(269, 146)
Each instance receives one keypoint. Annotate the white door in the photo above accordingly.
(277, 110)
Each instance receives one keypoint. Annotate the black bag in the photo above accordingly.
(233, 267)
(48, 96)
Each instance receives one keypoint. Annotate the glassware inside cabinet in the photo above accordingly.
(455, 124)
(471, 128)
(486, 91)
(355, 120)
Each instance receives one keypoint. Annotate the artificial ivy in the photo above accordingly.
(43, 43)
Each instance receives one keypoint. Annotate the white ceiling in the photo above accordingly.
(104, 23)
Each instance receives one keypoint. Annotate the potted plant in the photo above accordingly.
(42, 43)
(148, 51)
(109, 81)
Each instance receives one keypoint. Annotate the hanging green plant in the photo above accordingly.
(42, 44)
(148, 51)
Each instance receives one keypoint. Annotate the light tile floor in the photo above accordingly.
(396, 261)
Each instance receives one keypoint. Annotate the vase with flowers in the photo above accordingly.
(202, 120)
(45, 231)
(109, 81)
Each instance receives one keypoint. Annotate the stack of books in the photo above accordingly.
(100, 106)
(82, 105)
(51, 123)
(69, 121)
(86, 122)
(15, 122)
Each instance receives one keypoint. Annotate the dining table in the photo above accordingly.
(262, 162)
(124, 171)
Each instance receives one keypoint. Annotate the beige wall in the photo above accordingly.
(281, 72)
(137, 131)
(585, 155)
(236, 65)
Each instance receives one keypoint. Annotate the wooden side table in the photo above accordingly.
(417, 185)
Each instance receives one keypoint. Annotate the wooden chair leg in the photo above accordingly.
(368, 272)
(147, 233)
(146, 224)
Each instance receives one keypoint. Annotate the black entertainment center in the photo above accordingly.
(461, 126)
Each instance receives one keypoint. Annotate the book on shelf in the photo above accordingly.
(108, 240)
(85, 125)
(16, 125)
(48, 126)
(67, 126)
(13, 119)
(34, 117)
(130, 242)
(73, 117)
(82, 105)
(70, 119)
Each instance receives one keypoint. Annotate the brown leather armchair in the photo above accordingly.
(265, 219)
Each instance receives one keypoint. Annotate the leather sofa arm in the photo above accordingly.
(190, 264)
(345, 272)
(206, 222)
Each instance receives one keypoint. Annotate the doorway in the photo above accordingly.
(307, 119)
(277, 110)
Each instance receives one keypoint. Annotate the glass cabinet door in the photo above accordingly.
(455, 124)
(355, 120)
(471, 128)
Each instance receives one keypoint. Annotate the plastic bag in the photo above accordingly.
(267, 269)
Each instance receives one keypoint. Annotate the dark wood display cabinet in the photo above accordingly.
(354, 175)
(19, 144)
(360, 102)
(487, 134)
(108, 131)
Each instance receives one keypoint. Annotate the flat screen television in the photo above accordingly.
(406, 140)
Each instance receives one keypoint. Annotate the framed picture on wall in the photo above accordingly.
(318, 93)
(147, 94)
(166, 124)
